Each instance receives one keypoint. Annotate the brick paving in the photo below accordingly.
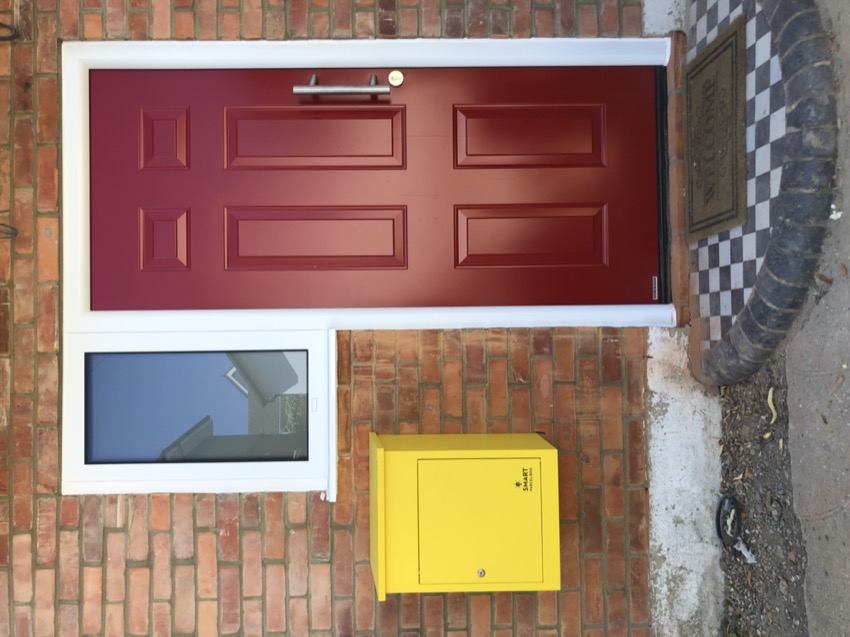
(292, 564)
(583, 389)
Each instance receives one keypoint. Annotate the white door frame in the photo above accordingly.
(87, 331)
(79, 57)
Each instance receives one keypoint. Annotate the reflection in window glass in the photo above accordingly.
(196, 406)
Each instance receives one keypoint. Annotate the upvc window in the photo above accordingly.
(217, 411)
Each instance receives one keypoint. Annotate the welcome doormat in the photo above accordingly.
(715, 135)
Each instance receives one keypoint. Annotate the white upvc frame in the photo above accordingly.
(313, 474)
(84, 330)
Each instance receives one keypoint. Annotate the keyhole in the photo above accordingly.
(481, 572)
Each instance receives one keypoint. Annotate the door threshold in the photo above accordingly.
(655, 315)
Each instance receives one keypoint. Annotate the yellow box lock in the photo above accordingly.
(463, 512)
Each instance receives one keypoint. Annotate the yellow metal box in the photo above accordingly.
(466, 512)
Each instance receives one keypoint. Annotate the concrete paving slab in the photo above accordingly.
(684, 465)
(818, 366)
(661, 17)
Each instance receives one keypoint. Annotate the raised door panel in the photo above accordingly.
(530, 135)
(164, 139)
(331, 137)
(532, 236)
(315, 238)
(164, 239)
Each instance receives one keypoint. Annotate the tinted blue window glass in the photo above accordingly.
(196, 406)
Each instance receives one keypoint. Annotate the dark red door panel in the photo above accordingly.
(221, 189)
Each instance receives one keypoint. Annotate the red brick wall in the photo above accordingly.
(278, 19)
(289, 564)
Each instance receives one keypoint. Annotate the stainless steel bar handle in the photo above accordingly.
(313, 88)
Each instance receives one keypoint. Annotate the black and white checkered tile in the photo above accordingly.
(727, 263)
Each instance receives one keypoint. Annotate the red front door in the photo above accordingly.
(463, 187)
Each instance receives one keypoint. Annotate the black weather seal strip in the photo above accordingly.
(662, 168)
(8, 32)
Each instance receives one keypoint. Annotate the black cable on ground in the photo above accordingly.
(7, 32)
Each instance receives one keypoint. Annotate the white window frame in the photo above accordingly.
(85, 330)
(313, 474)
